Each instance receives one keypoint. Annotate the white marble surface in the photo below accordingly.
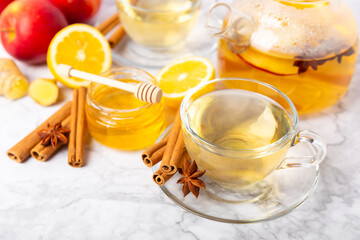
(113, 196)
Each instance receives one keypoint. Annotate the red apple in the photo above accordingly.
(28, 27)
(78, 11)
(4, 3)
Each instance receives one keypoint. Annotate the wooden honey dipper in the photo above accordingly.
(146, 92)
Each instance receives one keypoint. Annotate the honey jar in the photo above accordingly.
(117, 119)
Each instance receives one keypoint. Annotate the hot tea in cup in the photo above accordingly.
(240, 135)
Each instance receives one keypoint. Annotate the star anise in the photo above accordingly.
(53, 135)
(347, 53)
(304, 65)
(190, 179)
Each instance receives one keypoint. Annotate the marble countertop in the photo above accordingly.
(113, 196)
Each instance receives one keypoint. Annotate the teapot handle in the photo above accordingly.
(235, 27)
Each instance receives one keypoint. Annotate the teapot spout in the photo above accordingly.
(235, 27)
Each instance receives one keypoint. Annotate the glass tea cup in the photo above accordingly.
(159, 25)
(240, 132)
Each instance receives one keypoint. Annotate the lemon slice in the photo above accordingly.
(178, 77)
(80, 46)
(302, 4)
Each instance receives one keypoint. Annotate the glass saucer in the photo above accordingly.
(198, 43)
(289, 188)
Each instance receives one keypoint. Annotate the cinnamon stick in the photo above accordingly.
(154, 154)
(110, 27)
(185, 157)
(154, 158)
(160, 178)
(103, 26)
(156, 178)
(43, 153)
(173, 153)
(116, 37)
(21, 150)
(175, 159)
(150, 150)
(72, 136)
(78, 128)
(166, 165)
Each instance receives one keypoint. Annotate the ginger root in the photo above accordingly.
(44, 91)
(13, 84)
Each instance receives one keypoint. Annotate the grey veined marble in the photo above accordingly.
(113, 197)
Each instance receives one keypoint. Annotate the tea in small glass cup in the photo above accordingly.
(158, 27)
(240, 131)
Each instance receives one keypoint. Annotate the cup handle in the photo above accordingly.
(318, 146)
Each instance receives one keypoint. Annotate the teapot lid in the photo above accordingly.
(306, 29)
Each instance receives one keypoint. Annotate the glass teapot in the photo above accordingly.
(306, 48)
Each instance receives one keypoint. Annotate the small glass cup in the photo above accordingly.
(158, 28)
(242, 175)
(117, 119)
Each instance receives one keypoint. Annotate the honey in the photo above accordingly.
(117, 119)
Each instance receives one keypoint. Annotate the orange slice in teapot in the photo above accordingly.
(269, 63)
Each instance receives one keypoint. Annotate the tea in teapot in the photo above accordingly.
(307, 49)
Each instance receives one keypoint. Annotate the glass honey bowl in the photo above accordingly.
(117, 119)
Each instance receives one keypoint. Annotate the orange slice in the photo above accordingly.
(178, 77)
(80, 46)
